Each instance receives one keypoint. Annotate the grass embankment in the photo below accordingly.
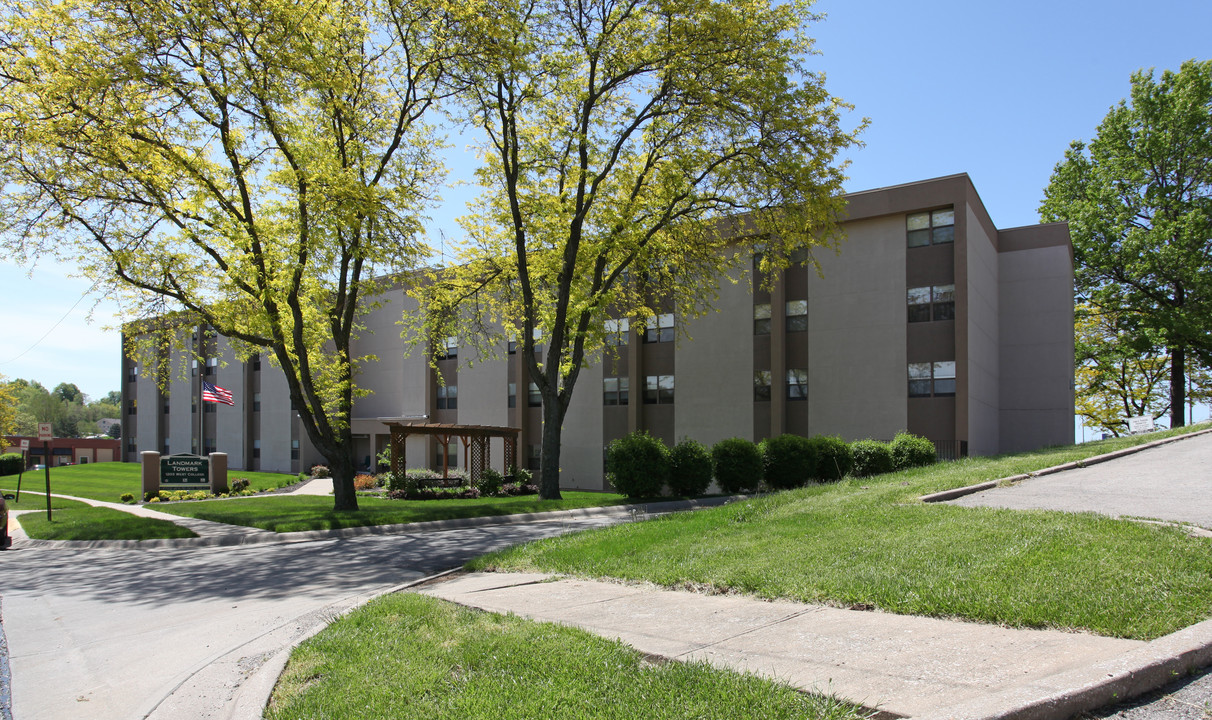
(872, 542)
(74, 520)
(312, 512)
(408, 656)
(108, 481)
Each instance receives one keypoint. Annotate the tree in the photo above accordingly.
(1138, 201)
(68, 393)
(1116, 380)
(635, 152)
(250, 167)
(8, 408)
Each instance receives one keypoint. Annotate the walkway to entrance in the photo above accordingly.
(477, 453)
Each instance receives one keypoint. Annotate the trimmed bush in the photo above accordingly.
(737, 465)
(689, 468)
(909, 451)
(637, 464)
(11, 463)
(320, 471)
(364, 482)
(833, 458)
(490, 482)
(789, 461)
(871, 457)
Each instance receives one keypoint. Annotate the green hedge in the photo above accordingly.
(11, 463)
(871, 457)
(833, 458)
(637, 464)
(789, 461)
(689, 468)
(737, 465)
(909, 451)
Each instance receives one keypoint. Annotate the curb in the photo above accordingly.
(1077, 464)
(1105, 683)
(272, 538)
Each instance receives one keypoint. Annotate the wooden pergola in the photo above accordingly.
(475, 438)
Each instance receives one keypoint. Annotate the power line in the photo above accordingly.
(52, 328)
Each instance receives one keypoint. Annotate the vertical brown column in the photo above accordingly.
(635, 376)
(778, 356)
(521, 379)
(149, 461)
(218, 473)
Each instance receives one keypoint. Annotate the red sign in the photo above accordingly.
(44, 432)
(25, 444)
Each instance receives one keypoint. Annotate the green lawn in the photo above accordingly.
(407, 656)
(293, 513)
(74, 520)
(108, 481)
(871, 541)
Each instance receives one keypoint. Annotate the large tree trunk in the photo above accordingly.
(1178, 387)
(549, 473)
(345, 497)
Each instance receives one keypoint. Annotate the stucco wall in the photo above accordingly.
(483, 383)
(713, 367)
(230, 434)
(1036, 292)
(276, 420)
(183, 388)
(983, 338)
(856, 325)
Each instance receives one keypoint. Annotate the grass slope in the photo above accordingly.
(303, 512)
(407, 656)
(108, 481)
(74, 520)
(872, 542)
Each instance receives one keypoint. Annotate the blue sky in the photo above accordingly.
(994, 89)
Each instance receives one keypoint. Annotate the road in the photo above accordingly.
(110, 634)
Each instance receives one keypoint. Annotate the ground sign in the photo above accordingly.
(184, 472)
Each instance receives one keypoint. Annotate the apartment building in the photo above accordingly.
(929, 319)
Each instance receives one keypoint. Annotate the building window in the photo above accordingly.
(761, 319)
(134, 373)
(513, 395)
(534, 398)
(448, 397)
(659, 328)
(511, 344)
(615, 390)
(166, 451)
(931, 228)
(534, 457)
(166, 406)
(211, 364)
(934, 302)
(132, 445)
(935, 379)
(257, 402)
(617, 331)
(256, 448)
(193, 368)
(450, 349)
(132, 406)
(797, 315)
(797, 384)
(208, 407)
(658, 390)
(294, 449)
(761, 385)
(256, 362)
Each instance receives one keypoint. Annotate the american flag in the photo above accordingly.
(214, 393)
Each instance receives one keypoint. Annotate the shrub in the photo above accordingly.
(637, 464)
(833, 458)
(737, 465)
(871, 457)
(11, 463)
(239, 484)
(363, 482)
(405, 484)
(490, 482)
(689, 468)
(789, 461)
(320, 471)
(128, 497)
(909, 451)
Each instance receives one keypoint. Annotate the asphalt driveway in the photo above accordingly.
(1171, 482)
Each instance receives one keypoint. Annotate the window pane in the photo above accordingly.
(944, 369)
(943, 293)
(665, 383)
(918, 295)
(610, 384)
(917, 221)
(919, 238)
(919, 388)
(452, 391)
(761, 311)
(944, 311)
(761, 327)
(650, 389)
(665, 321)
(624, 324)
(624, 386)
(919, 371)
(611, 326)
(797, 307)
(939, 218)
(667, 335)
(919, 313)
(944, 387)
(944, 235)
(797, 323)
(798, 377)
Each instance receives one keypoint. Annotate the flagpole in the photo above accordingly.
(201, 406)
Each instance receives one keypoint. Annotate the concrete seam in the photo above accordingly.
(763, 626)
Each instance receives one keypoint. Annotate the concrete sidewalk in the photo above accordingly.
(902, 665)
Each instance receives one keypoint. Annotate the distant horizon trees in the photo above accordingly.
(71, 412)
